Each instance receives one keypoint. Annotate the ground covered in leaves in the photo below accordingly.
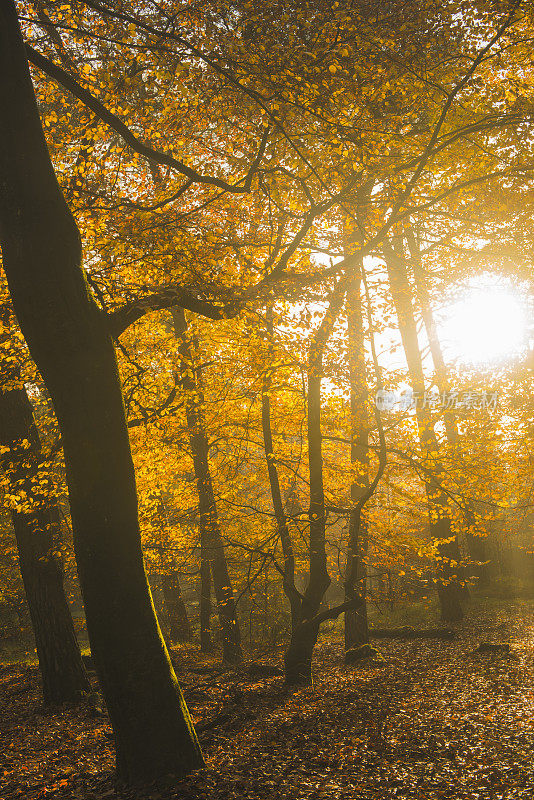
(435, 721)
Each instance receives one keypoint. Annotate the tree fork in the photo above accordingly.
(298, 656)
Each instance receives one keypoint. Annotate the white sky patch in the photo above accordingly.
(487, 323)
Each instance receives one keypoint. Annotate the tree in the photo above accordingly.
(449, 556)
(210, 534)
(298, 656)
(288, 571)
(36, 522)
(475, 543)
(214, 160)
(69, 340)
(356, 626)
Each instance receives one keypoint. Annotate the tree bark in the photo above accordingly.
(209, 520)
(449, 590)
(179, 627)
(299, 655)
(69, 341)
(36, 527)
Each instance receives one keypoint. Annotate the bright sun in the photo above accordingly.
(487, 324)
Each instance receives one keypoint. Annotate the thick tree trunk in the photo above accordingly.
(69, 341)
(449, 589)
(299, 655)
(179, 627)
(36, 530)
(209, 520)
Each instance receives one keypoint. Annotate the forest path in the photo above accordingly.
(436, 721)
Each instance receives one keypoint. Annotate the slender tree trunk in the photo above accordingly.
(206, 644)
(442, 381)
(290, 588)
(449, 589)
(476, 545)
(356, 626)
(68, 338)
(179, 627)
(298, 656)
(36, 526)
(62, 671)
(209, 527)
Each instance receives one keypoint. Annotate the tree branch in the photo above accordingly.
(63, 78)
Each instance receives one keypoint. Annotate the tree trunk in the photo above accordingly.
(179, 627)
(206, 644)
(69, 340)
(209, 520)
(62, 671)
(476, 545)
(36, 527)
(298, 657)
(290, 588)
(356, 626)
(449, 589)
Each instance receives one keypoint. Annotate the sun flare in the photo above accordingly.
(487, 324)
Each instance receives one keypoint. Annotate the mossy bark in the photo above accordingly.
(299, 655)
(69, 341)
(63, 674)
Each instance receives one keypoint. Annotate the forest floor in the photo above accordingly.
(435, 721)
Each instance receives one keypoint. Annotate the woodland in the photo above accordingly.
(266, 399)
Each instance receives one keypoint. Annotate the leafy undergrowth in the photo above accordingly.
(436, 721)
